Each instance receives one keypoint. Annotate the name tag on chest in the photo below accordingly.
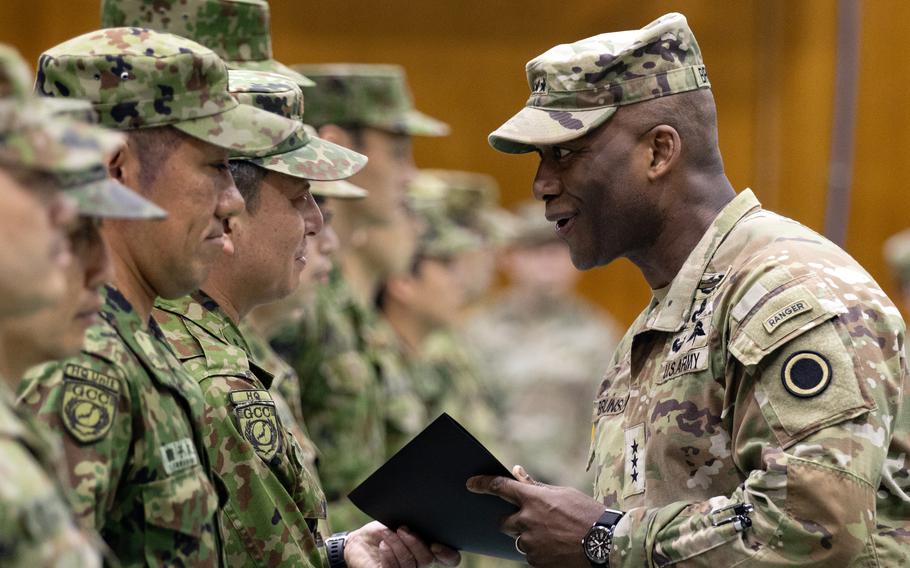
(610, 405)
(688, 362)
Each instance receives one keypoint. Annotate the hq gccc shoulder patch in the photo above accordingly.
(806, 374)
(257, 421)
(89, 402)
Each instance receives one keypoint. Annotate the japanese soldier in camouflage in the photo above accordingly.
(38, 151)
(362, 404)
(274, 503)
(753, 413)
(129, 413)
(236, 30)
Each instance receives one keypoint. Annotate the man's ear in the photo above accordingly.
(335, 134)
(665, 147)
(124, 167)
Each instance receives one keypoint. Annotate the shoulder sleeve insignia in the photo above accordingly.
(806, 374)
(258, 421)
(90, 400)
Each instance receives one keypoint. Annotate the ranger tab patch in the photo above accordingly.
(806, 374)
(89, 402)
(786, 313)
(258, 421)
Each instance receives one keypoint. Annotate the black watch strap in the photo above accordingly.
(609, 518)
(604, 525)
(334, 547)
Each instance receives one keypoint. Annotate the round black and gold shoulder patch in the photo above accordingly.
(806, 374)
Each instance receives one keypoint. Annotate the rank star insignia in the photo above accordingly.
(258, 421)
(635, 460)
(89, 402)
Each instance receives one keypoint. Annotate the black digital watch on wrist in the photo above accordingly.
(334, 547)
(599, 540)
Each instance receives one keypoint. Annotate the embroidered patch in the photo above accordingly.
(709, 281)
(690, 361)
(635, 460)
(258, 421)
(611, 405)
(179, 455)
(749, 300)
(89, 402)
(791, 311)
(806, 374)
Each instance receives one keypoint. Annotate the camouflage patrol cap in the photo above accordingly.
(530, 227)
(577, 87)
(302, 154)
(236, 30)
(897, 255)
(338, 189)
(366, 95)
(472, 201)
(137, 78)
(443, 238)
(96, 194)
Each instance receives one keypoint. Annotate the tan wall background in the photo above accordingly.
(771, 63)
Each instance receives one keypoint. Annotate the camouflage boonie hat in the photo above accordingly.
(236, 30)
(577, 87)
(369, 95)
(302, 154)
(897, 255)
(137, 78)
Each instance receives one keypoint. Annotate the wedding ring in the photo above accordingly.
(518, 547)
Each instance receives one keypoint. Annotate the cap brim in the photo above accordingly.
(318, 160)
(338, 189)
(533, 127)
(57, 145)
(412, 123)
(272, 66)
(110, 199)
(243, 129)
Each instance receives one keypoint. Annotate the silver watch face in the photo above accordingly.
(597, 545)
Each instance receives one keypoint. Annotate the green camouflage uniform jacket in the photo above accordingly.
(274, 503)
(344, 369)
(36, 524)
(769, 373)
(129, 416)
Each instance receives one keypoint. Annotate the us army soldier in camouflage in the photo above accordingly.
(128, 411)
(274, 503)
(37, 527)
(753, 412)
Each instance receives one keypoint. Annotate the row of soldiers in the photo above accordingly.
(214, 401)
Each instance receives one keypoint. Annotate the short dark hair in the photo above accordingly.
(154, 146)
(248, 179)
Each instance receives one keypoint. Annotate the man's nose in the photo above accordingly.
(546, 183)
(230, 202)
(312, 217)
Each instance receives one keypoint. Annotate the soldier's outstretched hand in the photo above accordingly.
(374, 545)
(551, 521)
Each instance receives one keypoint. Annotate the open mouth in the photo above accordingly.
(564, 225)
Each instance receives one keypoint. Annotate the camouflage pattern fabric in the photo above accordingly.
(367, 95)
(138, 78)
(576, 87)
(128, 414)
(36, 524)
(274, 502)
(769, 373)
(302, 154)
(236, 30)
(542, 360)
(341, 395)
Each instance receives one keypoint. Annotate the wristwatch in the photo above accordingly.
(599, 540)
(334, 546)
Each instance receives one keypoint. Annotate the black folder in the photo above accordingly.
(422, 487)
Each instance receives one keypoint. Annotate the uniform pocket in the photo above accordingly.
(184, 503)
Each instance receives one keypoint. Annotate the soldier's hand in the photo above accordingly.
(551, 521)
(374, 546)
